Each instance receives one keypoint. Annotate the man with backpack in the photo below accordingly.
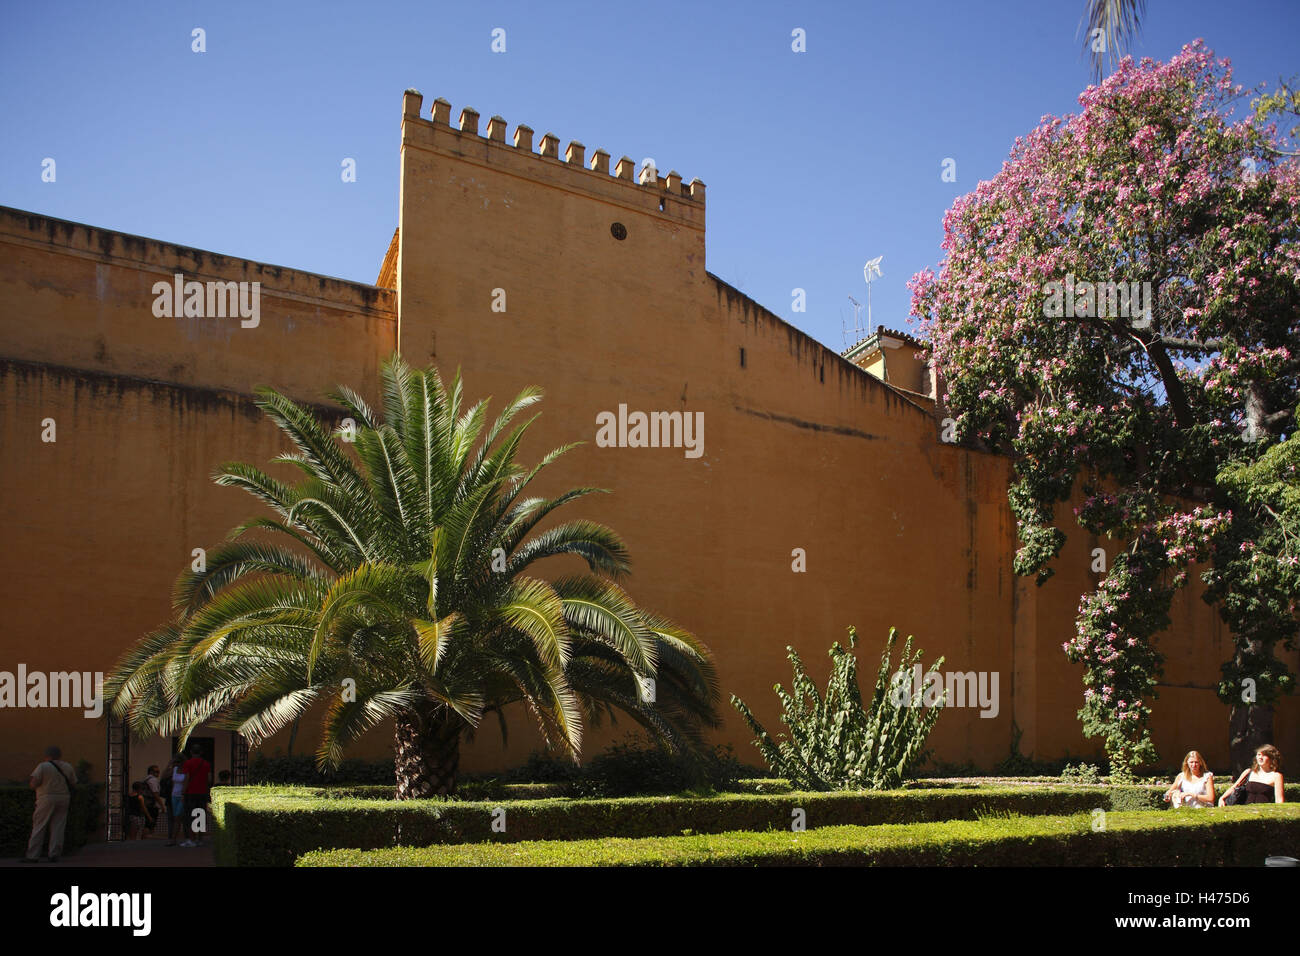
(54, 781)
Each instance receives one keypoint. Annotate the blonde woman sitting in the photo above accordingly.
(1194, 786)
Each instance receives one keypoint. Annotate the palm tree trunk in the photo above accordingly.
(427, 752)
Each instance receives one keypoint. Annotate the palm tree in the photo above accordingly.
(407, 591)
(1118, 21)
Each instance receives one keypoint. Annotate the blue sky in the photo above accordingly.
(814, 161)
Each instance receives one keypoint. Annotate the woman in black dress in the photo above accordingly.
(1263, 782)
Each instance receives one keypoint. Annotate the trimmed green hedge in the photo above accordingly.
(18, 803)
(496, 790)
(301, 770)
(1234, 836)
(476, 790)
(273, 826)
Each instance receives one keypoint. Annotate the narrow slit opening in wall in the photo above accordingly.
(742, 356)
(661, 205)
(821, 374)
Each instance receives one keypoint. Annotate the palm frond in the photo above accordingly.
(601, 547)
(225, 565)
(1115, 23)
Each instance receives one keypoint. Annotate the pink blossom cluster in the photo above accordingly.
(1083, 192)
(1189, 535)
(1228, 373)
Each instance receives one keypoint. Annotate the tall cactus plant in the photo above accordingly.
(836, 743)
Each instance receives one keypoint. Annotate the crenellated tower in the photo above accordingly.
(515, 235)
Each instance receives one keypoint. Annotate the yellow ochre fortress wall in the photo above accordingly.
(523, 260)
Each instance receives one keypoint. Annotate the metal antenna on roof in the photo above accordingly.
(857, 324)
(871, 272)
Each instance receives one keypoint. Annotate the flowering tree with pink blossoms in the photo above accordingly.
(1118, 310)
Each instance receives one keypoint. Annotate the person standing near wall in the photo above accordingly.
(155, 788)
(173, 789)
(198, 781)
(53, 780)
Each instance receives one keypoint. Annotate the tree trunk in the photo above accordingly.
(1174, 390)
(428, 752)
(1249, 726)
(1256, 413)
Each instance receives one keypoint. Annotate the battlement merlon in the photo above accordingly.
(646, 190)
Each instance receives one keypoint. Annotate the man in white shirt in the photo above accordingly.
(53, 781)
